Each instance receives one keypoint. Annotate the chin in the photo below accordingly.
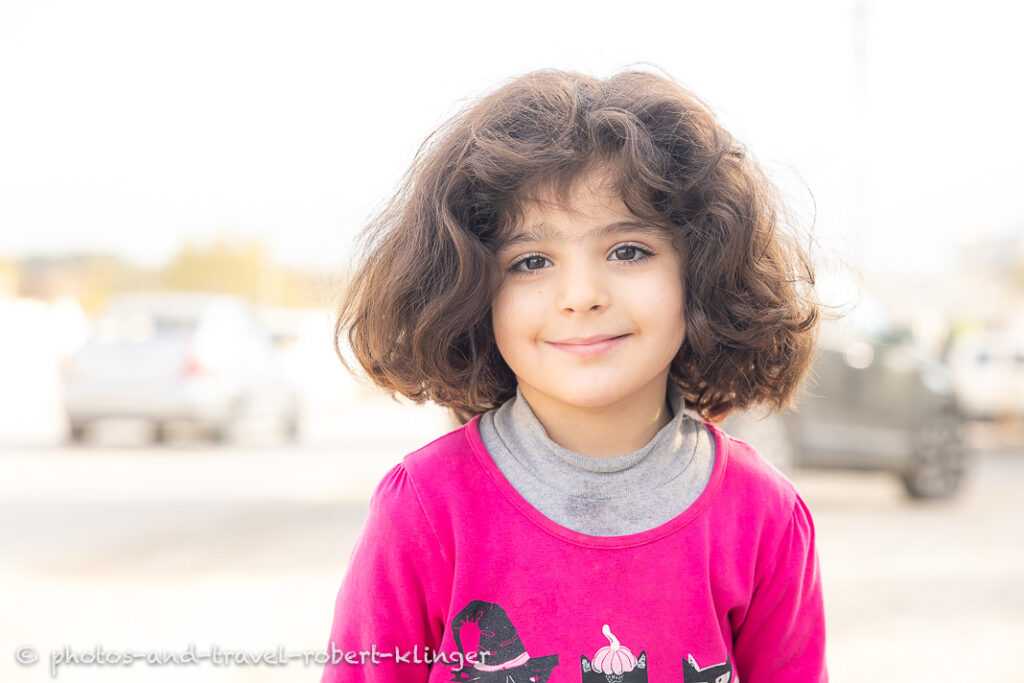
(588, 398)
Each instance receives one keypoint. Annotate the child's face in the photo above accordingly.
(572, 280)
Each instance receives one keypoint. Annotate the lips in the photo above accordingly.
(589, 340)
(589, 347)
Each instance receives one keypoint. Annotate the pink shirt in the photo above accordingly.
(456, 577)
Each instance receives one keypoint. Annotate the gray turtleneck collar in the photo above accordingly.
(615, 496)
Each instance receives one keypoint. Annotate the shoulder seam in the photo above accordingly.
(423, 511)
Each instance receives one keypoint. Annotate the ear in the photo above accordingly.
(693, 662)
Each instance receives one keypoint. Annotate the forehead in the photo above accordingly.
(590, 208)
(550, 232)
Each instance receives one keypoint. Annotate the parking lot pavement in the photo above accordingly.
(922, 592)
(136, 548)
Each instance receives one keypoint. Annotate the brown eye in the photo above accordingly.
(625, 253)
(537, 261)
(527, 263)
(630, 253)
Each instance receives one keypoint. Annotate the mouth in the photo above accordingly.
(579, 341)
(590, 346)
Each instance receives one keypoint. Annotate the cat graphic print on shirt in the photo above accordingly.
(720, 673)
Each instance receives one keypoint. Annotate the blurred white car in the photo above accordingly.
(178, 356)
(988, 371)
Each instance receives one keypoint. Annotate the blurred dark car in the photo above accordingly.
(178, 356)
(870, 403)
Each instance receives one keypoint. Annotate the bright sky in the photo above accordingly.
(131, 126)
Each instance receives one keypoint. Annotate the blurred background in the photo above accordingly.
(183, 459)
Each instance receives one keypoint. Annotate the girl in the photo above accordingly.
(589, 274)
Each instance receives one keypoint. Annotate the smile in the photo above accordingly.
(592, 349)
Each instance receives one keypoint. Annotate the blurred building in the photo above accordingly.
(983, 291)
(8, 279)
(973, 318)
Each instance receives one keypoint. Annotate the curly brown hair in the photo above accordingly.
(417, 308)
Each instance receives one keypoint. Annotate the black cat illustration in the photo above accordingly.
(501, 656)
(720, 673)
(614, 663)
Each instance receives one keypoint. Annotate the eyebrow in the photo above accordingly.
(544, 232)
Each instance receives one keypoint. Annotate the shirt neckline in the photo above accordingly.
(664, 458)
(472, 431)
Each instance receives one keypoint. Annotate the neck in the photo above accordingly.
(605, 431)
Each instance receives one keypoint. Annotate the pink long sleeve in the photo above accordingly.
(388, 598)
(782, 637)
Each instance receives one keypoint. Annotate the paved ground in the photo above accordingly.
(916, 592)
(126, 547)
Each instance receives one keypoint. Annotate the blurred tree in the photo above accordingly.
(245, 268)
(89, 278)
(8, 278)
(237, 267)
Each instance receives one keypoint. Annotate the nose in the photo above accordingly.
(582, 287)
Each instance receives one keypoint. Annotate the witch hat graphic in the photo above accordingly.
(501, 656)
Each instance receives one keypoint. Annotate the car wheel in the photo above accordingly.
(939, 459)
(290, 421)
(160, 432)
(78, 432)
(291, 429)
(223, 431)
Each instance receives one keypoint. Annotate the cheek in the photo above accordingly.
(507, 319)
(660, 294)
(518, 322)
(679, 315)
(664, 308)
